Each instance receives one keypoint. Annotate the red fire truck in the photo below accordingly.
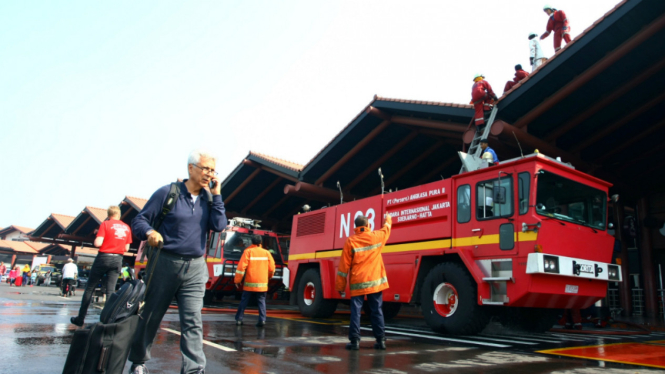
(223, 253)
(519, 240)
(225, 249)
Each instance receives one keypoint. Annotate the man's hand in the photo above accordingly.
(238, 285)
(389, 219)
(217, 190)
(155, 238)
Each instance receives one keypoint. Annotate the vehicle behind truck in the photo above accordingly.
(519, 240)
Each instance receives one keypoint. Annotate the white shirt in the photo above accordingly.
(194, 197)
(534, 47)
(69, 271)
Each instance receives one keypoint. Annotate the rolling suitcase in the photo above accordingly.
(104, 346)
(19, 281)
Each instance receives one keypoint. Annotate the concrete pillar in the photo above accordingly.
(646, 255)
(13, 261)
(624, 287)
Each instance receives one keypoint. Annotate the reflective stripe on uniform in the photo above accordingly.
(258, 258)
(247, 284)
(240, 272)
(370, 284)
(342, 274)
(368, 248)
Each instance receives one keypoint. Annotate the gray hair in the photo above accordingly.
(195, 156)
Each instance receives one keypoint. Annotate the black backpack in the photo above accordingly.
(124, 303)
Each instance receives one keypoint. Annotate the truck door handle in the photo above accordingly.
(478, 231)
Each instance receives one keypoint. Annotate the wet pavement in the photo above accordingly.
(35, 334)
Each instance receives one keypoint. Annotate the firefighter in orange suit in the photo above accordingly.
(361, 257)
(558, 22)
(257, 267)
(482, 96)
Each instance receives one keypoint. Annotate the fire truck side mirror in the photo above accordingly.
(499, 195)
(614, 198)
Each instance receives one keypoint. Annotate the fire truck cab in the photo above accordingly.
(225, 249)
(519, 240)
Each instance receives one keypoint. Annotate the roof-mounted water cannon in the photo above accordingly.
(247, 223)
(383, 186)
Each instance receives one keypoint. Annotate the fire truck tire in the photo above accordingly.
(207, 297)
(529, 319)
(457, 311)
(390, 310)
(310, 296)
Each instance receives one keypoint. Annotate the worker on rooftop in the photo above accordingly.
(482, 96)
(558, 23)
(484, 145)
(536, 57)
(519, 75)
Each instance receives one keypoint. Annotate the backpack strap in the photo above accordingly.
(169, 203)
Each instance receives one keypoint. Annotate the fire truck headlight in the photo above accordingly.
(551, 264)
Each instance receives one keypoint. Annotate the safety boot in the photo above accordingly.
(354, 345)
(380, 343)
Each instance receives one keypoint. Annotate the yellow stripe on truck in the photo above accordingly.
(424, 246)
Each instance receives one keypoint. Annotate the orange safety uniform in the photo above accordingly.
(257, 266)
(362, 257)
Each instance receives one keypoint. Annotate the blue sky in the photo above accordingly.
(99, 100)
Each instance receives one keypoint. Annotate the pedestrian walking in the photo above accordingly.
(113, 240)
(482, 97)
(26, 274)
(536, 56)
(361, 257)
(69, 273)
(13, 274)
(47, 278)
(3, 269)
(180, 270)
(557, 23)
(257, 267)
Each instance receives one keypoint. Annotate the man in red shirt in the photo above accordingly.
(519, 75)
(113, 239)
(558, 23)
(482, 96)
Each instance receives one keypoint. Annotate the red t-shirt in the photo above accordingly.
(116, 236)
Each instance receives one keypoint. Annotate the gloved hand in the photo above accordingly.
(531, 60)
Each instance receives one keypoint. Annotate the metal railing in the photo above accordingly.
(638, 301)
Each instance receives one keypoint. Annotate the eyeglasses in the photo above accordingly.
(206, 170)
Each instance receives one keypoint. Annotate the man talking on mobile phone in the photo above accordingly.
(181, 270)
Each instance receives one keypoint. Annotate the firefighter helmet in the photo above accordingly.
(478, 76)
(488, 156)
(548, 6)
(533, 34)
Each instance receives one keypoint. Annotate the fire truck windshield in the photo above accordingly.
(236, 242)
(566, 200)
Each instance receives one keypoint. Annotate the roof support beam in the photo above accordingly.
(394, 149)
(593, 71)
(438, 169)
(353, 151)
(430, 123)
(616, 125)
(411, 164)
(606, 101)
(261, 195)
(280, 202)
(629, 142)
(313, 192)
(643, 156)
(82, 224)
(269, 170)
(241, 186)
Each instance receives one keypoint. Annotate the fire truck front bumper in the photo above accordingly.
(543, 263)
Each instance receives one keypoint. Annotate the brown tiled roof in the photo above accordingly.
(283, 163)
(17, 246)
(437, 103)
(37, 246)
(98, 213)
(136, 201)
(520, 83)
(21, 229)
(62, 220)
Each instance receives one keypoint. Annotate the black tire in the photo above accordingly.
(316, 307)
(468, 317)
(207, 297)
(390, 310)
(535, 320)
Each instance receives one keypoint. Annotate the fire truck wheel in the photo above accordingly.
(310, 296)
(449, 303)
(207, 297)
(390, 310)
(529, 319)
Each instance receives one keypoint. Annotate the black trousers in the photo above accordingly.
(104, 264)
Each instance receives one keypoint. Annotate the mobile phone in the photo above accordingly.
(213, 184)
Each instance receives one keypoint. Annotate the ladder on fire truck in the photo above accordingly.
(474, 147)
